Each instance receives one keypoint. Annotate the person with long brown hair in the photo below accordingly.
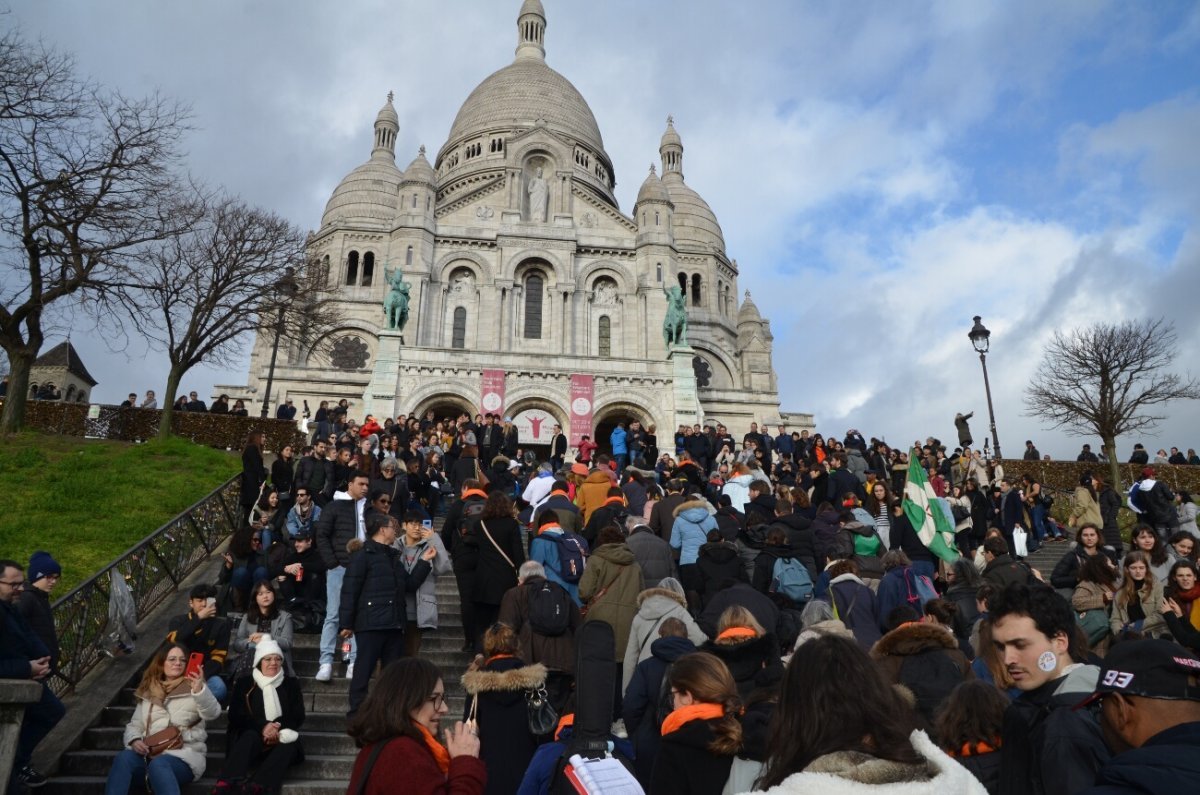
(168, 702)
(702, 734)
(254, 473)
(1092, 600)
(850, 732)
(968, 727)
(403, 714)
(501, 554)
(1137, 606)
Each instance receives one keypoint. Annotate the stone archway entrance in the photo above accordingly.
(607, 419)
(444, 406)
(535, 419)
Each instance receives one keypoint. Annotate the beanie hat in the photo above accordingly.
(42, 565)
(1148, 472)
(267, 645)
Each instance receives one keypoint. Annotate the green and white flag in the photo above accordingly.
(927, 513)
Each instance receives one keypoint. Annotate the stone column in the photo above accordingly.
(380, 398)
(15, 696)
(686, 398)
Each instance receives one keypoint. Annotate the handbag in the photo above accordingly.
(543, 719)
(168, 739)
(1095, 623)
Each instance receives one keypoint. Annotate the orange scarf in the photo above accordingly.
(615, 501)
(560, 493)
(495, 657)
(474, 493)
(690, 713)
(549, 526)
(440, 754)
(977, 749)
(564, 722)
(737, 632)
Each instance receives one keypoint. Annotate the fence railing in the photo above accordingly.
(153, 569)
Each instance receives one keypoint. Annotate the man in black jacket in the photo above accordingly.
(371, 604)
(842, 481)
(24, 656)
(340, 522)
(201, 631)
(315, 472)
(800, 536)
(34, 602)
(1150, 714)
(1047, 746)
(464, 552)
(662, 515)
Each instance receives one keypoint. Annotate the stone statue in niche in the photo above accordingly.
(462, 282)
(539, 196)
(605, 292)
(395, 303)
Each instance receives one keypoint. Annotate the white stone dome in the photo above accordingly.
(520, 94)
(693, 221)
(366, 195)
(652, 190)
(419, 170)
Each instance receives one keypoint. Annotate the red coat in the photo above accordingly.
(369, 427)
(404, 759)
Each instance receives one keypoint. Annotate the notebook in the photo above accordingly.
(605, 776)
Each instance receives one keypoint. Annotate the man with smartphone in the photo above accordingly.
(341, 521)
(202, 631)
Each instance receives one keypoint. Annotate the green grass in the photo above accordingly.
(85, 502)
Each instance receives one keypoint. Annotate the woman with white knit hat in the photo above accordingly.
(265, 712)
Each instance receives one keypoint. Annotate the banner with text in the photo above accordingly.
(491, 392)
(582, 394)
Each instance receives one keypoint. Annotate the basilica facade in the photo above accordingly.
(530, 292)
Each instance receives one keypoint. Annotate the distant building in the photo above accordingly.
(59, 374)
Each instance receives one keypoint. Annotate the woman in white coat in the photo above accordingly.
(167, 700)
(867, 743)
(656, 605)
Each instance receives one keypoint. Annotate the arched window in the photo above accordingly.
(658, 271)
(683, 283)
(408, 257)
(70, 391)
(656, 223)
(368, 268)
(695, 289)
(458, 337)
(533, 306)
(605, 336)
(352, 268)
(720, 298)
(323, 276)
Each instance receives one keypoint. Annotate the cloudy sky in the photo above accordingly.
(882, 171)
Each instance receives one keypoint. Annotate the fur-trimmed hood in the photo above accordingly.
(663, 592)
(526, 677)
(910, 639)
(700, 503)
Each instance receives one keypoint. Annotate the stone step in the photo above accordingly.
(315, 766)
(94, 785)
(335, 743)
(120, 715)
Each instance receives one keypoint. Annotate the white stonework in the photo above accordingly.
(520, 260)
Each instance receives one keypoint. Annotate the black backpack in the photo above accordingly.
(930, 675)
(549, 609)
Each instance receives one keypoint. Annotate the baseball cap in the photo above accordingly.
(1148, 668)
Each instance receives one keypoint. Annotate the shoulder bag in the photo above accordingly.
(366, 773)
(507, 559)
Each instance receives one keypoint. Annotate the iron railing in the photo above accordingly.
(153, 568)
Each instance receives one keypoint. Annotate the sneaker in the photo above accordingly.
(325, 672)
(350, 671)
(30, 777)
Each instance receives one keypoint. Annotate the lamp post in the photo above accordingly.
(980, 336)
(286, 287)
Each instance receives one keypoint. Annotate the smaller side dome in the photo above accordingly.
(420, 171)
(652, 189)
(749, 312)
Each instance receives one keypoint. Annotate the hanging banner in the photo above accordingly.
(535, 426)
(491, 392)
(582, 394)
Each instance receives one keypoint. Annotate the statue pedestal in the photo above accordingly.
(685, 397)
(380, 398)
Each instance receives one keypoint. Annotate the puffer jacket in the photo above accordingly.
(374, 587)
(613, 570)
(184, 710)
(718, 563)
(653, 555)
(826, 529)
(655, 605)
(693, 520)
(505, 744)
(747, 659)
(853, 772)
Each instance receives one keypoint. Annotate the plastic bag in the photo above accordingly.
(1020, 547)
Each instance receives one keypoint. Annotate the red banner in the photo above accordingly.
(491, 400)
(582, 395)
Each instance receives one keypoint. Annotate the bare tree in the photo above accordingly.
(86, 178)
(239, 270)
(1107, 381)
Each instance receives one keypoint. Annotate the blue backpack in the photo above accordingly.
(572, 555)
(920, 589)
(790, 578)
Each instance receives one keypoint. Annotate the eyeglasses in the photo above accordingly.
(384, 500)
(175, 659)
(16, 586)
(437, 699)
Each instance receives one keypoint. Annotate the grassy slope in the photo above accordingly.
(85, 502)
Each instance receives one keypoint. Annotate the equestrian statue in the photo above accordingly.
(675, 323)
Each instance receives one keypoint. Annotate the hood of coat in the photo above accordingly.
(742, 480)
(719, 551)
(854, 578)
(859, 529)
(792, 521)
(527, 677)
(777, 551)
(620, 554)
(671, 649)
(913, 639)
(658, 602)
(694, 510)
(866, 770)
(598, 476)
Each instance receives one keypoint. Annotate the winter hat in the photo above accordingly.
(1148, 472)
(579, 469)
(267, 645)
(514, 464)
(42, 565)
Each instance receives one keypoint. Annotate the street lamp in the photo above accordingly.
(285, 287)
(980, 336)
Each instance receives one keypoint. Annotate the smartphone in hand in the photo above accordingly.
(195, 664)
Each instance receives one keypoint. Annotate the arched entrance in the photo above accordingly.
(608, 417)
(535, 419)
(444, 406)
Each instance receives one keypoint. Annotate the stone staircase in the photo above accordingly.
(329, 751)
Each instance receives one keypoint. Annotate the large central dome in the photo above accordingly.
(518, 96)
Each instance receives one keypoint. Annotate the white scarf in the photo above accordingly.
(272, 709)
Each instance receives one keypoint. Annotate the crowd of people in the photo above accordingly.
(778, 622)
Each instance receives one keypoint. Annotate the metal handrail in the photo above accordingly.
(153, 567)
